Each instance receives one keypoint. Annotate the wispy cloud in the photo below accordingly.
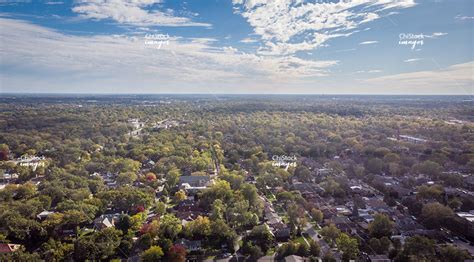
(436, 35)
(54, 59)
(248, 40)
(372, 71)
(462, 17)
(134, 12)
(289, 26)
(453, 79)
(368, 43)
(412, 60)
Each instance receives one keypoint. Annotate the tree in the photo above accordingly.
(317, 215)
(381, 226)
(200, 227)
(348, 245)
(56, 251)
(303, 250)
(330, 233)
(124, 223)
(254, 251)
(250, 193)
(218, 210)
(434, 215)
(20, 255)
(262, 237)
(380, 246)
(453, 254)
(374, 165)
(455, 203)
(154, 253)
(430, 192)
(303, 173)
(150, 177)
(417, 248)
(314, 248)
(329, 257)
(97, 246)
(180, 196)
(429, 167)
(172, 178)
(220, 190)
(126, 178)
(170, 226)
(123, 165)
(222, 234)
(177, 253)
(160, 208)
(4, 152)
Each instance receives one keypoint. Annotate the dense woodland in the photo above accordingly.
(233, 139)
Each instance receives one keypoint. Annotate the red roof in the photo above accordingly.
(7, 248)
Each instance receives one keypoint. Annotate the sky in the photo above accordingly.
(237, 46)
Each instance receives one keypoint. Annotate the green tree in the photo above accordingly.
(381, 226)
(126, 178)
(374, 165)
(170, 226)
(417, 248)
(262, 237)
(172, 178)
(200, 227)
(429, 167)
(330, 233)
(317, 215)
(453, 254)
(314, 248)
(348, 245)
(434, 215)
(99, 245)
(154, 253)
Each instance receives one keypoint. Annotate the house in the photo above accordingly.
(43, 215)
(283, 234)
(344, 224)
(195, 181)
(294, 258)
(190, 245)
(379, 258)
(312, 233)
(270, 258)
(469, 182)
(412, 139)
(8, 248)
(106, 221)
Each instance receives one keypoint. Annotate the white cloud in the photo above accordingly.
(462, 17)
(368, 43)
(45, 58)
(372, 71)
(289, 26)
(457, 79)
(412, 60)
(134, 12)
(248, 40)
(436, 34)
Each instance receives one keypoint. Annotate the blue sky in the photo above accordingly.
(237, 46)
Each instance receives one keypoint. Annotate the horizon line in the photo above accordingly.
(214, 94)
